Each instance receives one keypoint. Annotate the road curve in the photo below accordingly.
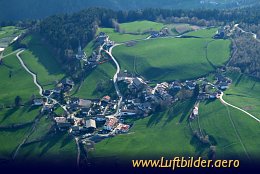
(115, 77)
(226, 103)
(30, 72)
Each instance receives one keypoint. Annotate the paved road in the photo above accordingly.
(1, 57)
(115, 77)
(78, 147)
(30, 72)
(226, 103)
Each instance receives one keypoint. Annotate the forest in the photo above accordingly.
(37, 9)
(67, 31)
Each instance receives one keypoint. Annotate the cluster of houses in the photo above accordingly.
(162, 33)
(96, 58)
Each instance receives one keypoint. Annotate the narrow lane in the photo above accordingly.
(30, 72)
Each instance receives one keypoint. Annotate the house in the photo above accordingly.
(62, 122)
(223, 85)
(203, 96)
(38, 102)
(91, 125)
(176, 85)
(213, 95)
(128, 112)
(81, 54)
(46, 93)
(138, 83)
(121, 76)
(57, 90)
(75, 129)
(84, 103)
(68, 82)
(106, 99)
(195, 112)
(122, 128)
(84, 111)
(191, 85)
(111, 123)
(47, 108)
(220, 34)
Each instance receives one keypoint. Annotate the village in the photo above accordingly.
(106, 117)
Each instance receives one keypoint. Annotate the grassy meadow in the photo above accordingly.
(39, 59)
(103, 73)
(15, 81)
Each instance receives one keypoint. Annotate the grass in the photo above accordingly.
(57, 148)
(140, 27)
(118, 37)
(18, 115)
(10, 140)
(9, 31)
(20, 84)
(42, 129)
(163, 134)
(204, 33)
(165, 59)
(104, 72)
(243, 93)
(219, 127)
(219, 51)
(40, 59)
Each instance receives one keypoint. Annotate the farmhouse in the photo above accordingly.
(176, 85)
(138, 83)
(91, 125)
(223, 85)
(62, 122)
(190, 85)
(122, 128)
(111, 123)
(84, 103)
(38, 102)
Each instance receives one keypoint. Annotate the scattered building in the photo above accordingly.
(62, 123)
(38, 102)
(111, 123)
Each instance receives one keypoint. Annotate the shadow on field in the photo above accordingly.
(187, 109)
(65, 141)
(200, 147)
(49, 143)
(155, 119)
(9, 113)
(44, 54)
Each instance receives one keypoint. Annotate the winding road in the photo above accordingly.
(226, 103)
(30, 72)
(115, 77)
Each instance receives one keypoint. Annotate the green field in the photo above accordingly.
(103, 73)
(205, 33)
(118, 37)
(9, 31)
(42, 128)
(219, 52)
(140, 27)
(18, 115)
(166, 59)
(10, 140)
(19, 84)
(163, 134)
(40, 59)
(57, 148)
(216, 121)
(244, 93)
